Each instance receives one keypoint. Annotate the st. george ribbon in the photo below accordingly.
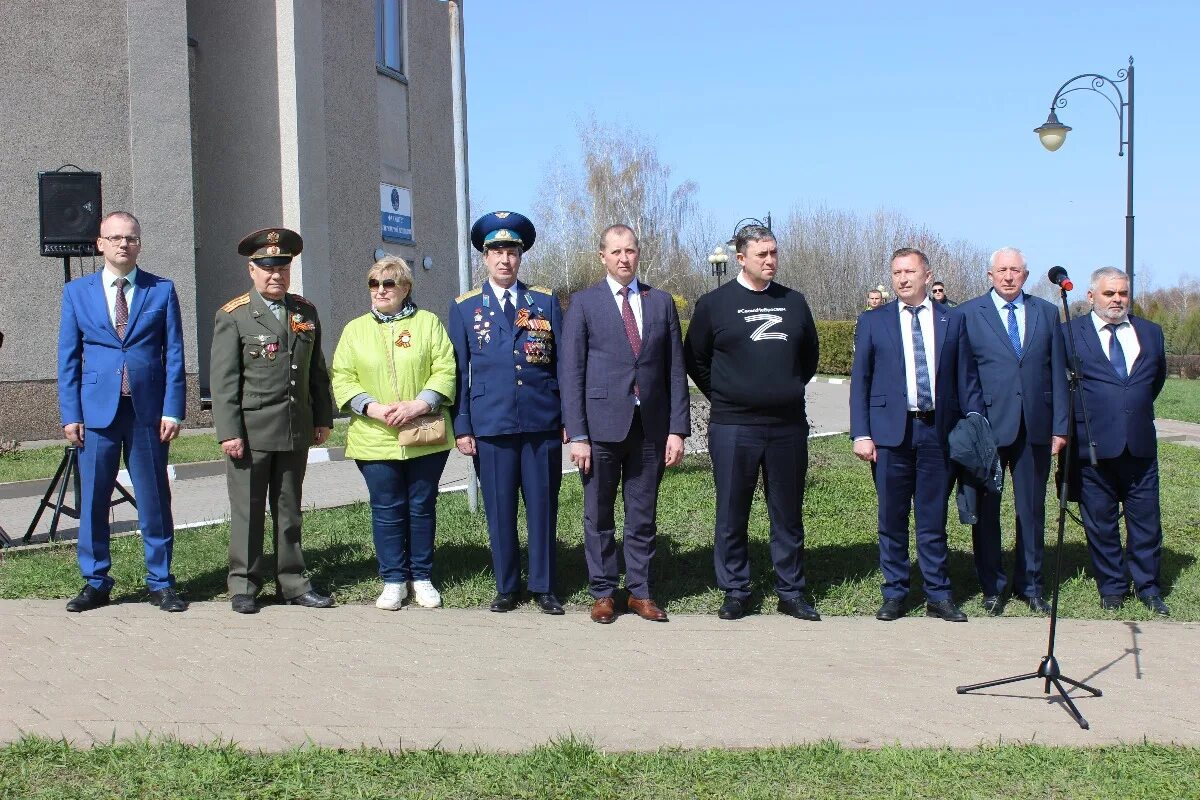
(1058, 276)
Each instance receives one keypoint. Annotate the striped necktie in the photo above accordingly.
(924, 392)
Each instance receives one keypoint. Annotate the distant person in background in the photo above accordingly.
(874, 298)
(1122, 368)
(1023, 374)
(121, 389)
(752, 348)
(937, 290)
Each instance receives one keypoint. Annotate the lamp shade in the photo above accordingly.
(1052, 133)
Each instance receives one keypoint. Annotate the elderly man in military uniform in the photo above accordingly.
(507, 413)
(271, 402)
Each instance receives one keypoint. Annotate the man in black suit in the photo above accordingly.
(912, 380)
(626, 411)
(1022, 369)
(1122, 368)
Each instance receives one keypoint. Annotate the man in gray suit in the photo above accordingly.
(1022, 368)
(625, 408)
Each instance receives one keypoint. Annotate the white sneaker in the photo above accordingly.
(392, 596)
(425, 595)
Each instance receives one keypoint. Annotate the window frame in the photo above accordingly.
(381, 40)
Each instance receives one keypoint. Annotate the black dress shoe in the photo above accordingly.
(89, 597)
(1111, 602)
(504, 601)
(167, 600)
(548, 603)
(1037, 605)
(732, 608)
(244, 604)
(890, 610)
(798, 608)
(310, 599)
(945, 609)
(993, 605)
(1155, 603)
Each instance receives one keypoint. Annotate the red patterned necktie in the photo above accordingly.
(121, 312)
(631, 328)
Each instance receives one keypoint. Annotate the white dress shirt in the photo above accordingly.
(1019, 302)
(500, 291)
(110, 291)
(742, 280)
(635, 300)
(1126, 335)
(906, 339)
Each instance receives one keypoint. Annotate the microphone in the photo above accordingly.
(1058, 276)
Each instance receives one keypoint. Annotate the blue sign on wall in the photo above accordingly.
(395, 213)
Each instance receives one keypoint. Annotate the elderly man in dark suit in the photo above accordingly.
(1122, 368)
(1022, 370)
(625, 407)
(913, 379)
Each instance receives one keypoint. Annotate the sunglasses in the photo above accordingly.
(374, 284)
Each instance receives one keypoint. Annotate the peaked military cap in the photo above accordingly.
(503, 229)
(271, 247)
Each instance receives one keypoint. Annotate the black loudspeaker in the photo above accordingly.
(70, 211)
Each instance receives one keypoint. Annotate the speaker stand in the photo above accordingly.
(68, 472)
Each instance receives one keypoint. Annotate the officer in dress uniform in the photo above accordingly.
(507, 413)
(271, 402)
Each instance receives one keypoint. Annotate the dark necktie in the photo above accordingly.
(924, 393)
(121, 312)
(510, 308)
(631, 328)
(1014, 335)
(1116, 353)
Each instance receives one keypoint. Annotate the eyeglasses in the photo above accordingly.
(939, 291)
(132, 240)
(388, 284)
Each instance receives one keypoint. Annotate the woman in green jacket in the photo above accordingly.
(394, 370)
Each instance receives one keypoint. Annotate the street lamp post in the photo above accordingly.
(719, 258)
(1053, 133)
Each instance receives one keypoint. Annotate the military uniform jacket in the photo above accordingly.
(507, 375)
(269, 382)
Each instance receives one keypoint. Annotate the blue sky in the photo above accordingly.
(924, 108)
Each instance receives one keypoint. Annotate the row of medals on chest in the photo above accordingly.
(270, 350)
(539, 338)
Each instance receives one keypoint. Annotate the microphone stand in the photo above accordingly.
(1048, 670)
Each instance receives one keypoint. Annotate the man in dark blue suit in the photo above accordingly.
(913, 379)
(1023, 372)
(506, 413)
(121, 390)
(626, 409)
(1122, 368)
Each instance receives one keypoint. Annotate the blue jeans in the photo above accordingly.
(403, 502)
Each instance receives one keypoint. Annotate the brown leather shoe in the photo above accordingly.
(603, 611)
(647, 610)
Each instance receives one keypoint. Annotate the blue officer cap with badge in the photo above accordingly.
(503, 229)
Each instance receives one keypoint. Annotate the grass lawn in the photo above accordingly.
(1180, 399)
(41, 462)
(841, 559)
(37, 769)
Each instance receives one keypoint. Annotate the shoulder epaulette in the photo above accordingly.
(541, 289)
(465, 295)
(299, 298)
(236, 302)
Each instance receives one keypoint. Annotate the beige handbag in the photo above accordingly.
(427, 429)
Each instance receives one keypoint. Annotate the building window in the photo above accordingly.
(389, 39)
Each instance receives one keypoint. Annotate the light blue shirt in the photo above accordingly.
(110, 291)
(1019, 302)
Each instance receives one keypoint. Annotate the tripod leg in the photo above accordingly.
(72, 471)
(1094, 692)
(999, 682)
(58, 474)
(1083, 723)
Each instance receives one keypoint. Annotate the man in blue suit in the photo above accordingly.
(626, 409)
(1023, 372)
(121, 390)
(506, 414)
(913, 379)
(1122, 368)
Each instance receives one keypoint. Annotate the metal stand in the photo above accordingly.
(68, 472)
(1048, 670)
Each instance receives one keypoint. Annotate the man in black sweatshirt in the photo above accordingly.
(751, 348)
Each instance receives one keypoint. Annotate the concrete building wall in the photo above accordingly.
(72, 73)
